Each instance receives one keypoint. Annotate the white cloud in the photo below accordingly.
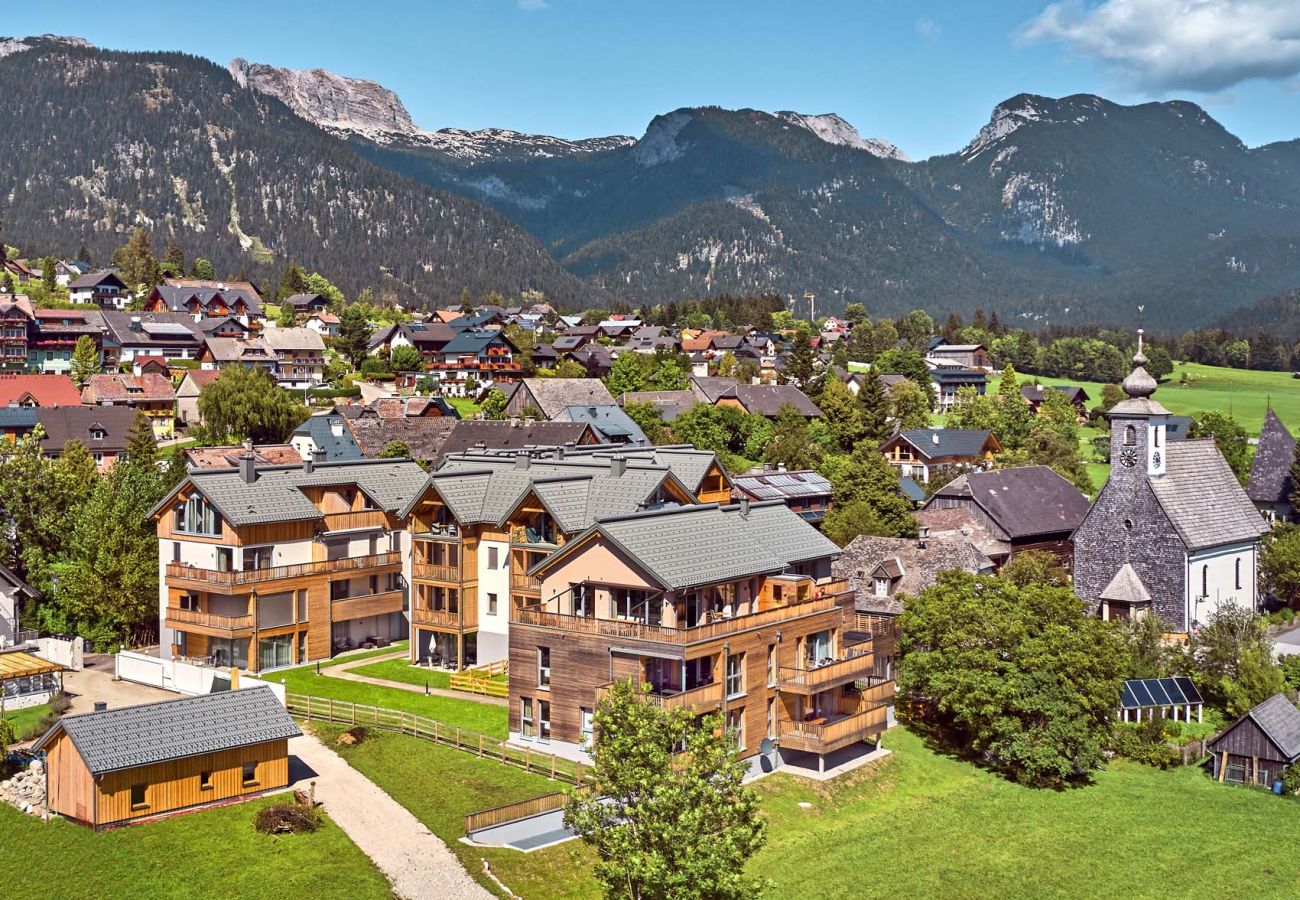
(533, 5)
(1161, 45)
(928, 29)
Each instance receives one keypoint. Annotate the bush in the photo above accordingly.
(1291, 779)
(287, 818)
(1144, 743)
(1290, 666)
(58, 706)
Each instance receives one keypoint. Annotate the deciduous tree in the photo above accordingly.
(494, 404)
(791, 445)
(1229, 437)
(248, 404)
(85, 360)
(405, 358)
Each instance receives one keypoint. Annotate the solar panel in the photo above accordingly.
(416, 326)
(1189, 689)
(1143, 692)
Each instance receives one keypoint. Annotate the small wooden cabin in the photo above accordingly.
(1258, 746)
(112, 766)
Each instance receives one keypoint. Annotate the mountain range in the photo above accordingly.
(1065, 210)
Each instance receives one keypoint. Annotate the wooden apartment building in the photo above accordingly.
(728, 608)
(266, 566)
(486, 518)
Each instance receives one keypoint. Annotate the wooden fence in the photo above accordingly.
(343, 712)
(512, 812)
(482, 679)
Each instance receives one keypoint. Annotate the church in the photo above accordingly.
(1172, 533)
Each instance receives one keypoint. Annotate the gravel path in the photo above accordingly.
(343, 670)
(416, 862)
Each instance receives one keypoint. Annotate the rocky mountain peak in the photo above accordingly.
(9, 45)
(832, 129)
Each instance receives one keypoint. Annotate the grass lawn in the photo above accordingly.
(25, 719)
(466, 407)
(402, 670)
(918, 824)
(213, 851)
(471, 714)
(440, 785)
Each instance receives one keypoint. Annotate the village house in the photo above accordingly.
(14, 594)
(880, 571)
(67, 271)
(27, 680)
(187, 395)
(756, 399)
(922, 452)
(307, 304)
(804, 491)
(729, 608)
(971, 356)
(1257, 748)
(38, 390)
(166, 334)
(484, 358)
(265, 566)
(114, 766)
(325, 437)
(1270, 486)
(1033, 395)
(207, 298)
(228, 457)
(103, 289)
(946, 380)
(1172, 533)
(150, 394)
(299, 356)
(610, 423)
(104, 430)
(1023, 508)
(548, 397)
(324, 323)
(16, 316)
(54, 337)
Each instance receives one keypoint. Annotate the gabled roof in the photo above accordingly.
(425, 437)
(1279, 719)
(43, 390)
(303, 301)
(119, 325)
(228, 457)
(470, 435)
(917, 568)
(935, 443)
(1270, 470)
(609, 420)
(1203, 499)
(670, 404)
(689, 464)
(768, 399)
(330, 433)
(1034, 393)
(776, 527)
(1126, 587)
(134, 736)
(106, 388)
(552, 395)
(64, 423)
(1024, 501)
(95, 279)
(473, 341)
(302, 338)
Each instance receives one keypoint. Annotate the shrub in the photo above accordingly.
(287, 818)
(58, 706)
(1144, 743)
(1291, 779)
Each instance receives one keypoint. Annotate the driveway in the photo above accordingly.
(417, 863)
(1288, 643)
(95, 682)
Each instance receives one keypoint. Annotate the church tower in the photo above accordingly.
(1137, 427)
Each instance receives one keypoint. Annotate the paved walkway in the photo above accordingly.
(416, 862)
(95, 682)
(343, 670)
(1287, 643)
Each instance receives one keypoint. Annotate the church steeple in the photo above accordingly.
(1137, 425)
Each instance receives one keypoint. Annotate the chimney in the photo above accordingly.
(514, 421)
(522, 460)
(744, 507)
(780, 467)
(617, 466)
(135, 323)
(934, 438)
(100, 705)
(922, 535)
(248, 464)
(559, 452)
(309, 463)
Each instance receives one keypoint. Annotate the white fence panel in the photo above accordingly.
(65, 653)
(141, 668)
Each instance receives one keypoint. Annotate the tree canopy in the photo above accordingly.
(248, 404)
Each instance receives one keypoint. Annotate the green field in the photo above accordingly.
(465, 407)
(212, 852)
(402, 670)
(917, 824)
(24, 720)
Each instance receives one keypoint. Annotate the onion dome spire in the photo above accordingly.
(1139, 382)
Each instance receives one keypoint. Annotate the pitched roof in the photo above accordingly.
(768, 484)
(1270, 470)
(423, 436)
(768, 399)
(918, 568)
(227, 350)
(228, 457)
(670, 404)
(689, 464)
(1278, 718)
(330, 433)
(183, 329)
(945, 442)
(777, 527)
(473, 341)
(105, 388)
(609, 420)
(276, 495)
(1126, 587)
(302, 338)
(94, 279)
(552, 395)
(64, 423)
(1203, 499)
(43, 390)
(514, 434)
(133, 736)
(302, 301)
(1024, 501)
(1034, 393)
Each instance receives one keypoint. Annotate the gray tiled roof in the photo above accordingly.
(690, 546)
(1202, 497)
(919, 568)
(784, 533)
(1280, 720)
(1126, 587)
(552, 395)
(670, 404)
(689, 464)
(276, 495)
(609, 421)
(1024, 501)
(133, 736)
(337, 447)
(1270, 470)
(778, 485)
(941, 442)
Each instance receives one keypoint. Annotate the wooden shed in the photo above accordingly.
(1258, 746)
(113, 766)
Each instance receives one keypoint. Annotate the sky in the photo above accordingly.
(923, 75)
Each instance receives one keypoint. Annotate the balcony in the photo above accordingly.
(378, 604)
(859, 662)
(703, 699)
(632, 630)
(832, 733)
(439, 532)
(535, 537)
(353, 521)
(181, 572)
(524, 583)
(464, 619)
(431, 572)
(208, 623)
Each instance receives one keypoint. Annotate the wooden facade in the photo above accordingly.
(166, 786)
(1245, 754)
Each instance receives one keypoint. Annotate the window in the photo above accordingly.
(176, 551)
(249, 774)
(492, 558)
(1130, 436)
(526, 718)
(771, 717)
(1205, 581)
(1237, 567)
(257, 558)
(630, 604)
(771, 665)
(197, 516)
(189, 601)
(225, 559)
(138, 792)
(544, 719)
(736, 725)
(394, 541)
(882, 587)
(587, 730)
(544, 667)
(735, 684)
(205, 781)
(492, 604)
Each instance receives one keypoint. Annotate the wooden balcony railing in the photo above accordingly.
(824, 737)
(181, 617)
(704, 698)
(448, 532)
(442, 618)
(522, 581)
(184, 572)
(857, 664)
(536, 615)
(431, 572)
(347, 521)
(363, 605)
(519, 534)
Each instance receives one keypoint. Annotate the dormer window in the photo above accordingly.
(98, 434)
(882, 587)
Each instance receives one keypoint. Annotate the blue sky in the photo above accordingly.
(924, 75)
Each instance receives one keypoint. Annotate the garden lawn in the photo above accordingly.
(402, 670)
(468, 713)
(200, 854)
(464, 406)
(24, 720)
(440, 786)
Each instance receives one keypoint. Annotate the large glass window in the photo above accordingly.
(735, 674)
(257, 558)
(544, 719)
(197, 516)
(544, 667)
(526, 718)
(273, 652)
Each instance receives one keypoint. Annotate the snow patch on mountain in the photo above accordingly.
(834, 130)
(11, 45)
(1039, 214)
(659, 143)
(1006, 118)
(354, 107)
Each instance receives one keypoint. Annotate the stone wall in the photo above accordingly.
(26, 789)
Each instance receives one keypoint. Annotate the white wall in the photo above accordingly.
(1221, 580)
(493, 581)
